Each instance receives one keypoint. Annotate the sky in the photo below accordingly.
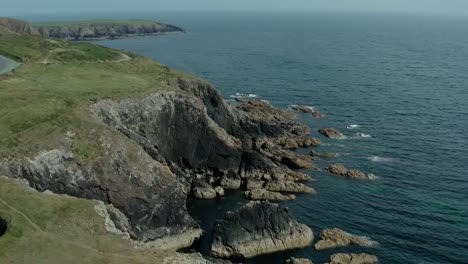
(447, 7)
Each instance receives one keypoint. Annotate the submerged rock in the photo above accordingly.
(298, 261)
(322, 155)
(258, 228)
(343, 258)
(331, 133)
(340, 169)
(335, 238)
(262, 194)
(318, 115)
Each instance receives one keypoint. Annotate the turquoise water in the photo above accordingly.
(402, 79)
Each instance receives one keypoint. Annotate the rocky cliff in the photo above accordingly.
(90, 30)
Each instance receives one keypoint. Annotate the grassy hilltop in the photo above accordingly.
(57, 81)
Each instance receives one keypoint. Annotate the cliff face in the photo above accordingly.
(90, 30)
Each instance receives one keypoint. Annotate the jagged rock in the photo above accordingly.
(297, 162)
(344, 258)
(331, 133)
(231, 181)
(302, 108)
(288, 186)
(322, 155)
(262, 194)
(340, 169)
(219, 191)
(119, 219)
(298, 261)
(334, 238)
(258, 228)
(314, 142)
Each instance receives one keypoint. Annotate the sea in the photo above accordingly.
(396, 85)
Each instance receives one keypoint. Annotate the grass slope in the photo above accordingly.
(51, 91)
(98, 22)
(44, 228)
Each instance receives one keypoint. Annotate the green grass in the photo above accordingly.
(51, 229)
(39, 102)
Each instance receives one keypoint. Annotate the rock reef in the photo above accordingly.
(331, 133)
(340, 169)
(335, 238)
(258, 228)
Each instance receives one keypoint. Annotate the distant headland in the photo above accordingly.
(89, 29)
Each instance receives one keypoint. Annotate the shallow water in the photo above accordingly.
(402, 79)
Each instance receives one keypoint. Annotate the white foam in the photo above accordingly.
(242, 95)
(307, 106)
(379, 159)
(352, 126)
(363, 135)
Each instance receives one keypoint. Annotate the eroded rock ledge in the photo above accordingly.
(258, 228)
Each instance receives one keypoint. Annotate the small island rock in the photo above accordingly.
(331, 133)
(258, 228)
(335, 238)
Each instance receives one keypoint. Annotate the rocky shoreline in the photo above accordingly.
(154, 151)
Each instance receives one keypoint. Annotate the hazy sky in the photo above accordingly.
(12, 7)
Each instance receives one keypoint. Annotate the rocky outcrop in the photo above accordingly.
(298, 261)
(318, 115)
(335, 238)
(153, 151)
(265, 195)
(344, 258)
(90, 30)
(288, 186)
(331, 133)
(340, 169)
(258, 228)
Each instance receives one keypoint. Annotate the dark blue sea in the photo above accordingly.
(402, 80)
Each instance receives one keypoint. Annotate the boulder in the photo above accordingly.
(335, 238)
(231, 181)
(204, 192)
(258, 228)
(343, 258)
(219, 191)
(262, 194)
(298, 261)
(331, 133)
